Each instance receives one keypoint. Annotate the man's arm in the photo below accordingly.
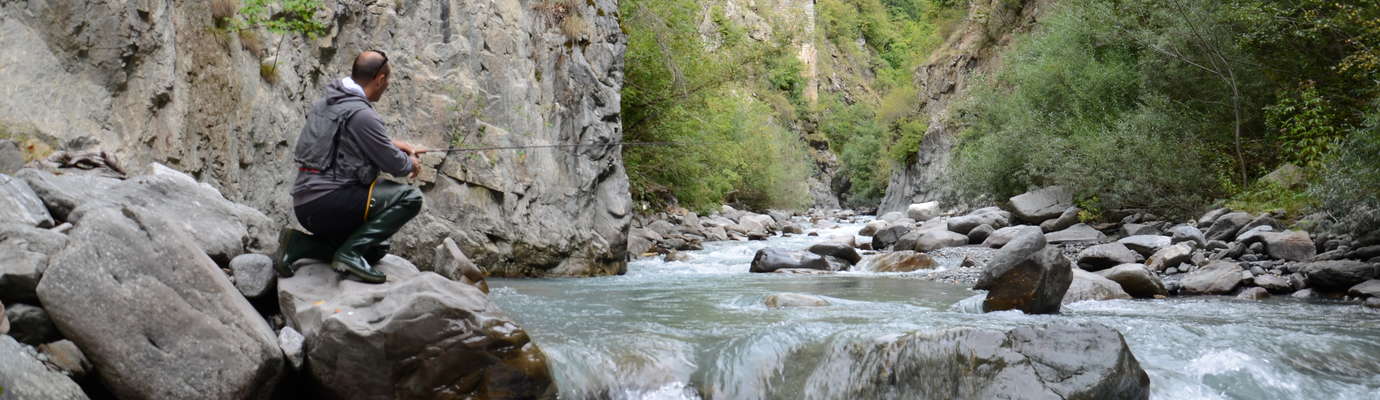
(382, 151)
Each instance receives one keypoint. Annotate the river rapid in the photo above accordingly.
(699, 329)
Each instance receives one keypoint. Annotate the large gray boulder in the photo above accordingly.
(889, 236)
(923, 211)
(1063, 221)
(1079, 233)
(1026, 275)
(25, 377)
(772, 259)
(452, 263)
(1090, 286)
(1103, 256)
(154, 314)
(1211, 216)
(990, 216)
(1219, 277)
(642, 240)
(1136, 280)
(24, 253)
(1339, 275)
(871, 228)
(1146, 245)
(413, 337)
(841, 250)
(1227, 226)
(1170, 257)
(1039, 205)
(1370, 288)
(1185, 233)
(1055, 360)
(900, 261)
(938, 239)
(1290, 245)
(19, 204)
(1001, 237)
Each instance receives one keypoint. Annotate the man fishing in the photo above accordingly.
(338, 196)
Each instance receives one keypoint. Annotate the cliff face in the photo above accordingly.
(972, 50)
(158, 81)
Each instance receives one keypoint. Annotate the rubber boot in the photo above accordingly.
(375, 253)
(294, 245)
(391, 206)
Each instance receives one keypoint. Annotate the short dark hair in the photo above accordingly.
(368, 66)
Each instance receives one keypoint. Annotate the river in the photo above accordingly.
(682, 330)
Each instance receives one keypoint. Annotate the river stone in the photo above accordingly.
(452, 263)
(888, 237)
(1263, 220)
(19, 204)
(1001, 237)
(25, 377)
(31, 325)
(892, 216)
(1054, 360)
(253, 274)
(772, 259)
(1146, 245)
(1290, 245)
(154, 314)
(786, 300)
(641, 241)
(1219, 277)
(841, 250)
(993, 217)
(938, 239)
(980, 234)
(1274, 283)
(11, 158)
(1211, 216)
(417, 335)
(793, 228)
(1063, 221)
(663, 227)
(923, 211)
(24, 253)
(871, 228)
(1337, 276)
(1138, 230)
(1170, 257)
(1136, 280)
(900, 261)
(1025, 275)
(1370, 288)
(1075, 234)
(1090, 286)
(1255, 293)
(66, 356)
(1365, 253)
(1185, 233)
(1227, 226)
(1103, 256)
(292, 344)
(1039, 205)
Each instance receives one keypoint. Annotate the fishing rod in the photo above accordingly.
(549, 146)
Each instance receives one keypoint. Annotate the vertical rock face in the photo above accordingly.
(157, 81)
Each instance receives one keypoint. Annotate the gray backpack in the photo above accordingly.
(318, 147)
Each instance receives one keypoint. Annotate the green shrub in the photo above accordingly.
(1349, 190)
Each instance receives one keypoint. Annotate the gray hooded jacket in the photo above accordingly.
(343, 143)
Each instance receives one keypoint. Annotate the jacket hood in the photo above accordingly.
(337, 93)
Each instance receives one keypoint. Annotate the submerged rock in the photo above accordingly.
(23, 376)
(414, 337)
(785, 300)
(1026, 275)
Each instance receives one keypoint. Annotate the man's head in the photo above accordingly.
(371, 72)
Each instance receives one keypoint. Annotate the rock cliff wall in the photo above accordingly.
(159, 81)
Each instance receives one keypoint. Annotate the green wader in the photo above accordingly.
(391, 205)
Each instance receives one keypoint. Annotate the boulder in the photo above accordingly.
(1105, 256)
(841, 250)
(980, 234)
(154, 314)
(66, 356)
(293, 345)
(889, 236)
(1287, 176)
(1254, 293)
(1146, 245)
(711, 233)
(1136, 280)
(1369, 288)
(1211, 216)
(892, 216)
(1274, 283)
(641, 241)
(1227, 226)
(1039, 205)
(417, 335)
(1025, 275)
(253, 274)
(1075, 234)
(871, 228)
(31, 325)
(1185, 233)
(1063, 221)
(785, 300)
(11, 158)
(793, 228)
(1290, 245)
(19, 204)
(1219, 277)
(1138, 229)
(1255, 234)
(993, 217)
(772, 259)
(663, 227)
(25, 377)
(1263, 220)
(1337, 276)
(900, 261)
(1054, 360)
(1090, 286)
(938, 239)
(1001, 237)
(749, 227)
(1365, 253)
(24, 253)
(923, 211)
(452, 264)
(1170, 257)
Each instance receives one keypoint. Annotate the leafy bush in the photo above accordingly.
(286, 16)
(1350, 186)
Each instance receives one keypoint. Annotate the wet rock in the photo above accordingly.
(1370, 288)
(253, 274)
(1026, 275)
(1255, 293)
(938, 239)
(1146, 245)
(672, 256)
(24, 253)
(980, 234)
(1227, 226)
(786, 300)
(990, 216)
(419, 334)
(1063, 221)
(923, 211)
(66, 356)
(1090, 286)
(1001, 237)
(1075, 234)
(794, 229)
(771, 259)
(31, 325)
(1105, 256)
(889, 236)
(1169, 257)
(1136, 280)
(871, 228)
(452, 264)
(1219, 277)
(1274, 283)
(1185, 233)
(841, 250)
(19, 204)
(901, 261)
(25, 377)
(1373, 302)
(1039, 205)
(292, 344)
(1056, 360)
(103, 294)
(1336, 276)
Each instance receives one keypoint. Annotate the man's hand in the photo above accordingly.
(405, 147)
(416, 167)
